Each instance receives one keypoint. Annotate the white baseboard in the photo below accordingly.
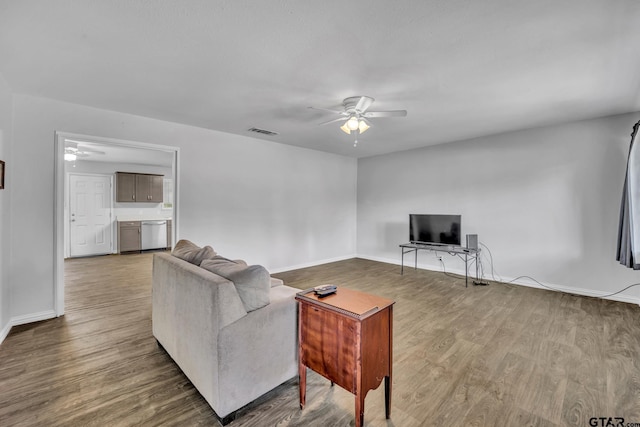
(520, 282)
(33, 317)
(311, 264)
(578, 291)
(5, 331)
(27, 318)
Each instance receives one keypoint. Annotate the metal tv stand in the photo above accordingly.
(469, 254)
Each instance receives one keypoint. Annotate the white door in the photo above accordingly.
(90, 207)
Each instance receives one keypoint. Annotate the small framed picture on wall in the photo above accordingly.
(1, 174)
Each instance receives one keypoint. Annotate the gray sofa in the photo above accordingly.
(230, 350)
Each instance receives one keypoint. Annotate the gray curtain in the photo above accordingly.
(628, 251)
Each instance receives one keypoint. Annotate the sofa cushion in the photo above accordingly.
(190, 252)
(222, 260)
(252, 282)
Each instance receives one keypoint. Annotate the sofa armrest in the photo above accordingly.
(259, 351)
(190, 306)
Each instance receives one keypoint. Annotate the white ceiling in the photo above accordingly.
(461, 68)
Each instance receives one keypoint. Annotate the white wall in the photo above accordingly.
(5, 229)
(545, 201)
(268, 203)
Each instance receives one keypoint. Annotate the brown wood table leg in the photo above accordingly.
(302, 380)
(359, 410)
(387, 379)
(302, 369)
(387, 396)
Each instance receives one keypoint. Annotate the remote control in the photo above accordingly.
(324, 290)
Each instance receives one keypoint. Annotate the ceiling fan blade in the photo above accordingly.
(328, 110)
(90, 150)
(364, 103)
(392, 113)
(80, 146)
(339, 119)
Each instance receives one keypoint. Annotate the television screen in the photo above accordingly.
(435, 229)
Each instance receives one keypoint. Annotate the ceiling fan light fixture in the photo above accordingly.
(356, 115)
(345, 128)
(352, 123)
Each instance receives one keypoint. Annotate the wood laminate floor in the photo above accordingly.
(499, 355)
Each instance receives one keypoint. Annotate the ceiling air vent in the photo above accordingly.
(262, 131)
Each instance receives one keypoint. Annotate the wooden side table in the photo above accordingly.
(347, 338)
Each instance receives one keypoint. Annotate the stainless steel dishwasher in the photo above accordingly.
(154, 234)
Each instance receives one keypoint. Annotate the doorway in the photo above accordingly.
(84, 156)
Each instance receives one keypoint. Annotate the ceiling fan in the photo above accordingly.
(73, 150)
(356, 115)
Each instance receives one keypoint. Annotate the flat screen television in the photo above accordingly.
(435, 229)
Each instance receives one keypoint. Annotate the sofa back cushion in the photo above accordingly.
(252, 282)
(190, 252)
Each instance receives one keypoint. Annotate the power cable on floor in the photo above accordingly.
(542, 284)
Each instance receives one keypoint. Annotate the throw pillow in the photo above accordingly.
(190, 252)
(220, 260)
(252, 282)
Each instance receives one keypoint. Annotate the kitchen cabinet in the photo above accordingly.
(125, 187)
(149, 188)
(139, 187)
(129, 236)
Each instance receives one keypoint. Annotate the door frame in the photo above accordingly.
(59, 200)
(67, 204)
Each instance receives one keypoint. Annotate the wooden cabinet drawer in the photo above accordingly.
(329, 345)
